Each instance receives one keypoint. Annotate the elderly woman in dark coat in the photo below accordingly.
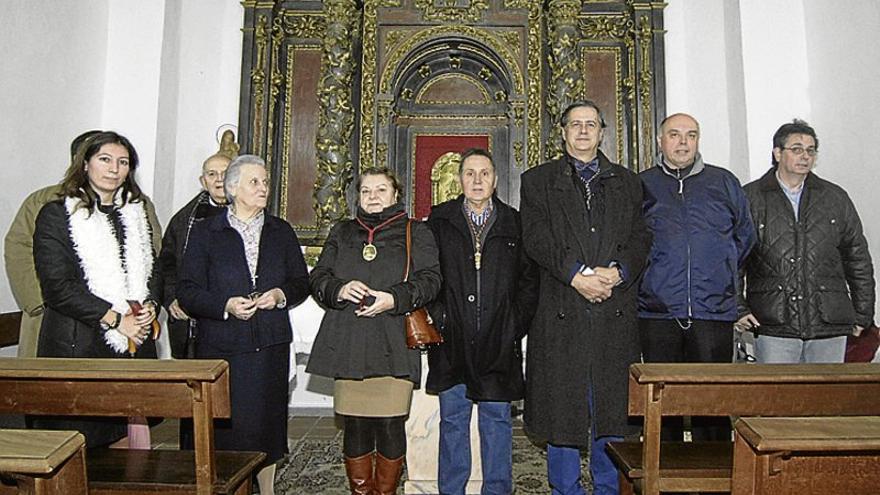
(362, 342)
(242, 271)
(93, 253)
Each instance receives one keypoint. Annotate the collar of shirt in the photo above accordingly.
(589, 168)
(790, 190)
(478, 218)
(244, 226)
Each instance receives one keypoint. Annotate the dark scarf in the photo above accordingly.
(373, 219)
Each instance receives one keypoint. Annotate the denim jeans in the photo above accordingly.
(794, 350)
(564, 466)
(496, 436)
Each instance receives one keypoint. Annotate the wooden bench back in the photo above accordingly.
(197, 389)
(112, 387)
(850, 389)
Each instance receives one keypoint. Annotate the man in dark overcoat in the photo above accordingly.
(583, 225)
(210, 201)
(485, 306)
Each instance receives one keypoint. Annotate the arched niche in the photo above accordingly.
(450, 89)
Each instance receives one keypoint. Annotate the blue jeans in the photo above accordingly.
(794, 350)
(564, 466)
(496, 437)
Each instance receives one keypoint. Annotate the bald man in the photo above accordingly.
(703, 232)
(209, 202)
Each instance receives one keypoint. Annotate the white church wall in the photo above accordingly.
(131, 88)
(844, 69)
(53, 77)
(200, 82)
(697, 74)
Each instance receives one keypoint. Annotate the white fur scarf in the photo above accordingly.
(107, 275)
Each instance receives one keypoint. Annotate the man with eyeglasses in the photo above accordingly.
(703, 231)
(583, 226)
(210, 201)
(809, 282)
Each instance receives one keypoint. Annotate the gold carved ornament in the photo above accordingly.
(304, 26)
(444, 178)
(472, 12)
(276, 81)
(566, 83)
(258, 77)
(368, 78)
(646, 82)
(336, 120)
(536, 78)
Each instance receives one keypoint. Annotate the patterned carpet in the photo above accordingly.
(314, 467)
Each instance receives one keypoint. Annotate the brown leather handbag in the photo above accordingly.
(420, 334)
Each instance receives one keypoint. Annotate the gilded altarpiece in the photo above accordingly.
(330, 87)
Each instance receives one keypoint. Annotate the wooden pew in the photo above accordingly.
(197, 389)
(804, 456)
(44, 462)
(657, 390)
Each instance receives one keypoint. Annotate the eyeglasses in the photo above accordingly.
(798, 151)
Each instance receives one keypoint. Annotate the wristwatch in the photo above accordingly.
(114, 325)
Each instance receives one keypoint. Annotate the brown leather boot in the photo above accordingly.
(387, 474)
(360, 474)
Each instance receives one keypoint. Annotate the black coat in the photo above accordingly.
(174, 245)
(573, 343)
(482, 330)
(71, 319)
(355, 348)
(215, 268)
(811, 277)
(71, 322)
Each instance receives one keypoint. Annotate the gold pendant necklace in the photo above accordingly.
(478, 248)
(369, 253)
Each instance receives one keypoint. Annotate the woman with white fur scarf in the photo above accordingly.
(94, 257)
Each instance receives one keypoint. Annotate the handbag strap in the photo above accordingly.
(408, 247)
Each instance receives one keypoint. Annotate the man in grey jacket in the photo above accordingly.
(809, 280)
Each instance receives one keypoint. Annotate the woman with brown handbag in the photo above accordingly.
(359, 280)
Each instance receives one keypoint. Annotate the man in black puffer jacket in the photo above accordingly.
(809, 280)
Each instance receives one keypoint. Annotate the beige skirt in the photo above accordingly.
(383, 396)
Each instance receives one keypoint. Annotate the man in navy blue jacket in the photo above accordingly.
(703, 231)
